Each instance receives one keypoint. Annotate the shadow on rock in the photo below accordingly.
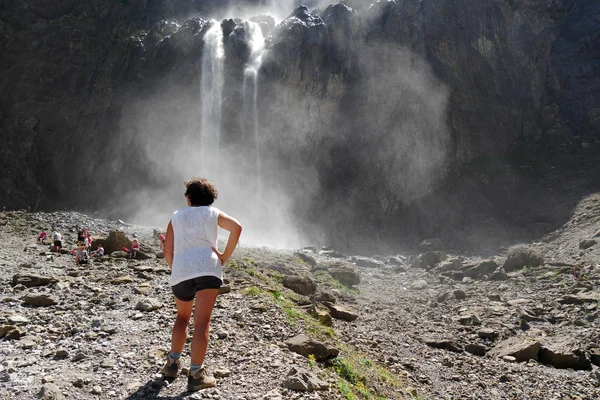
(151, 390)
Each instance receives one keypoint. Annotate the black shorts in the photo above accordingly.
(186, 290)
(58, 243)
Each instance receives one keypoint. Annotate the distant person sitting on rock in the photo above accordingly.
(81, 254)
(57, 246)
(43, 236)
(161, 238)
(135, 247)
(99, 252)
(196, 273)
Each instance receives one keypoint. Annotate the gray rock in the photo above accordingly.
(587, 243)
(419, 284)
(563, 352)
(50, 391)
(345, 273)
(300, 284)
(521, 348)
(367, 262)
(460, 294)
(488, 333)
(483, 268)
(341, 312)
(520, 257)
(476, 349)
(305, 346)
(40, 299)
(444, 344)
(148, 304)
(32, 280)
(300, 379)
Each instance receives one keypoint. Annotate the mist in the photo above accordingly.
(325, 157)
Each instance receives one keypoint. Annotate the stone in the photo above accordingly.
(322, 314)
(301, 379)
(563, 352)
(61, 353)
(9, 332)
(367, 262)
(306, 258)
(119, 254)
(122, 280)
(18, 320)
(305, 346)
(444, 344)
(50, 391)
(148, 304)
(114, 242)
(485, 267)
(40, 300)
(419, 284)
(595, 356)
(488, 333)
(520, 257)
(429, 259)
(31, 280)
(587, 243)
(341, 312)
(499, 276)
(450, 265)
(96, 389)
(520, 347)
(345, 273)
(476, 349)
(300, 284)
(460, 294)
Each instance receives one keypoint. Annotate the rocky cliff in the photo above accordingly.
(369, 109)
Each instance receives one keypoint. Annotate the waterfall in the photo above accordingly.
(256, 41)
(211, 90)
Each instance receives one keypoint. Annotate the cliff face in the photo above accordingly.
(372, 105)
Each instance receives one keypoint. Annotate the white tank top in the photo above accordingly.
(195, 233)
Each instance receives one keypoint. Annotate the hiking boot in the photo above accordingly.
(171, 368)
(202, 379)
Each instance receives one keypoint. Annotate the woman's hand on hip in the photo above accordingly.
(220, 255)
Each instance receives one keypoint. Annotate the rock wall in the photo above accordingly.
(368, 108)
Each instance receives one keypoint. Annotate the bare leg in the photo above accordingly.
(205, 301)
(179, 335)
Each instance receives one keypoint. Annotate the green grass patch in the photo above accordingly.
(253, 291)
(325, 277)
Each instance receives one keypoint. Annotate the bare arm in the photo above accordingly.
(169, 246)
(235, 230)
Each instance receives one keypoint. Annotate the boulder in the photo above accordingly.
(367, 262)
(563, 352)
(31, 280)
(476, 349)
(520, 257)
(587, 243)
(305, 346)
(302, 380)
(341, 312)
(119, 254)
(345, 273)
(114, 242)
(485, 267)
(522, 348)
(306, 258)
(322, 314)
(40, 300)
(300, 284)
(148, 304)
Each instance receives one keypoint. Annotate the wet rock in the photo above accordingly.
(428, 260)
(499, 276)
(341, 312)
(300, 284)
(148, 304)
(306, 258)
(300, 379)
(31, 280)
(520, 257)
(305, 346)
(522, 348)
(40, 300)
(459, 294)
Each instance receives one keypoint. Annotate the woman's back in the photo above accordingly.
(195, 234)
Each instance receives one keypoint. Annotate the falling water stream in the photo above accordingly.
(211, 90)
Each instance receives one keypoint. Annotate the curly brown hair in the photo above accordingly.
(200, 192)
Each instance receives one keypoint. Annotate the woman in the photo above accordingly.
(190, 249)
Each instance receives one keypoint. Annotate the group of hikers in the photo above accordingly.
(83, 248)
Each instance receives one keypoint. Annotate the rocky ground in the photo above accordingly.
(307, 324)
